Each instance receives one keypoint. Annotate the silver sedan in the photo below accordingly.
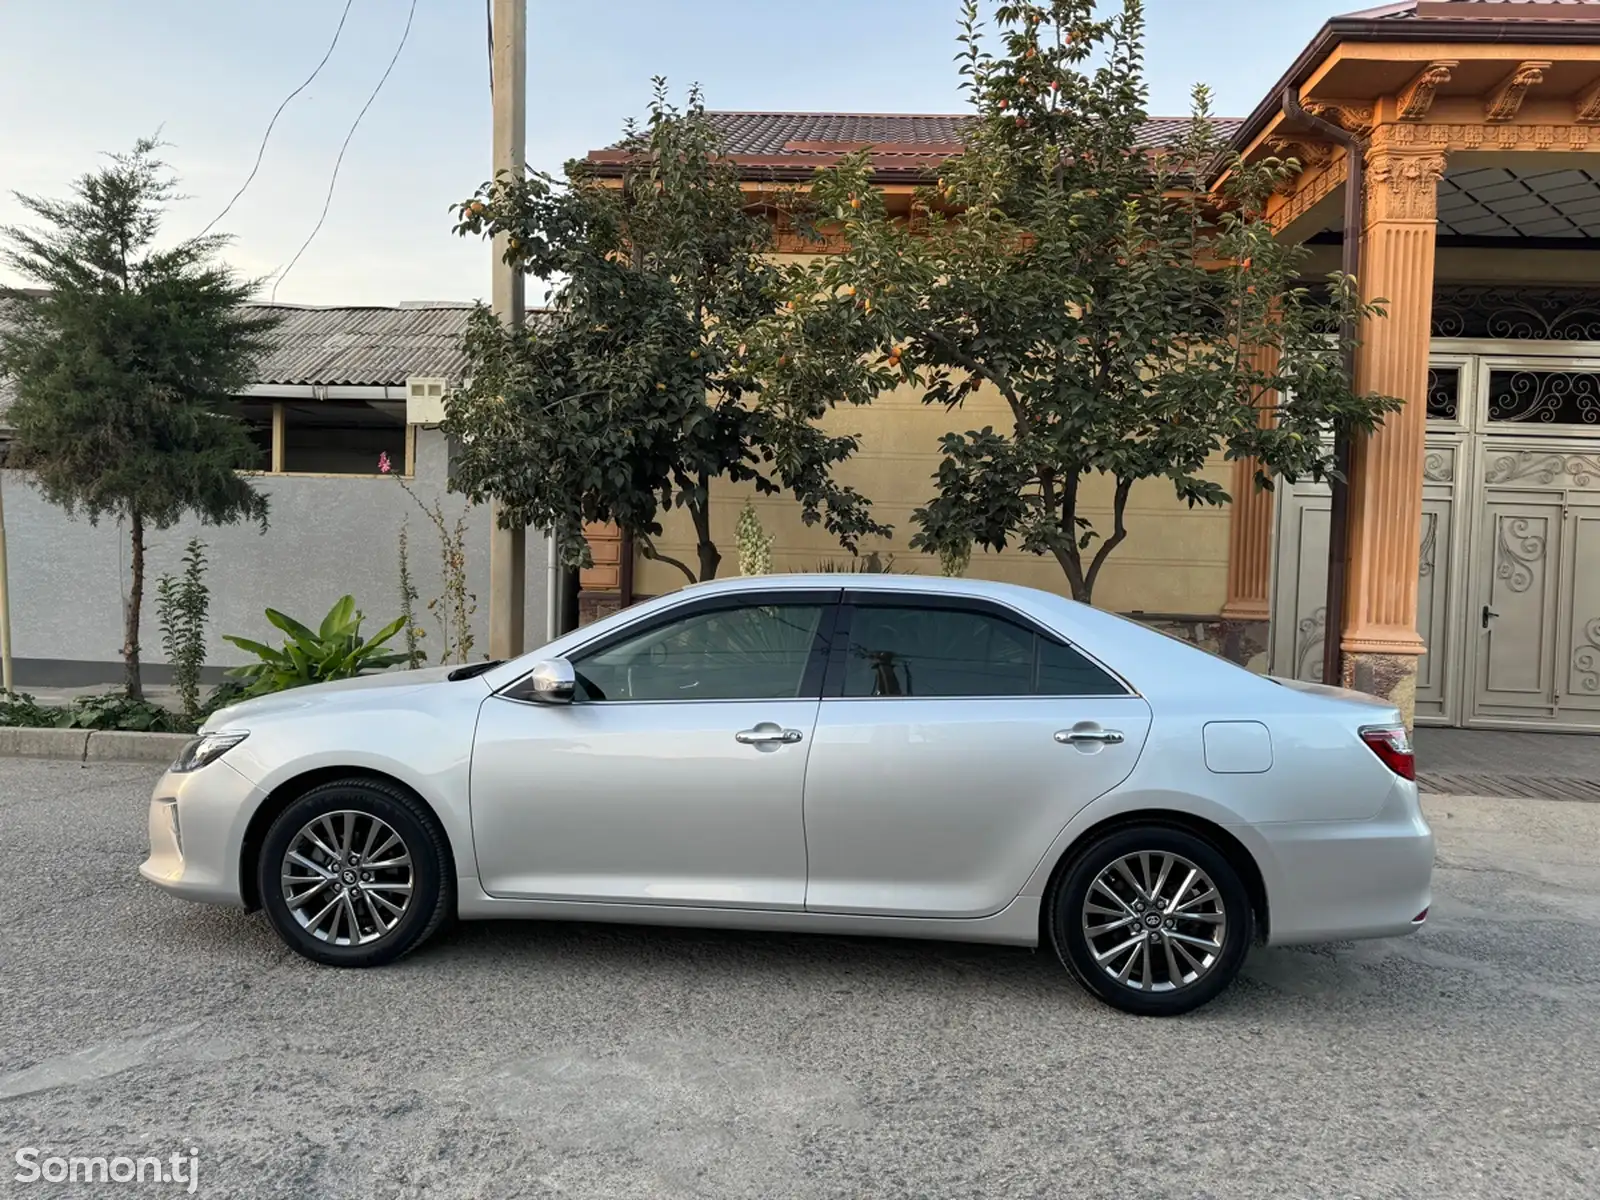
(879, 755)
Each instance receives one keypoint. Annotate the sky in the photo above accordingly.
(82, 77)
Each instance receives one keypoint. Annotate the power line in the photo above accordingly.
(263, 149)
(354, 125)
(488, 19)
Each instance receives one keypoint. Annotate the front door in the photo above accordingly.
(677, 774)
(955, 742)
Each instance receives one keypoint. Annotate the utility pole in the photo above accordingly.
(508, 547)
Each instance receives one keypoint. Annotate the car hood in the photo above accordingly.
(341, 692)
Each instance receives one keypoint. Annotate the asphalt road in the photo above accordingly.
(587, 1061)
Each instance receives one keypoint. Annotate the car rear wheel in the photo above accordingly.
(355, 873)
(1153, 920)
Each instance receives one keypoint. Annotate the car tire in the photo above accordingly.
(377, 915)
(1191, 942)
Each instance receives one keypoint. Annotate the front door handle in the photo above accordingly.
(1489, 614)
(1081, 737)
(767, 734)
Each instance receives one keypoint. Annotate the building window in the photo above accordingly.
(328, 437)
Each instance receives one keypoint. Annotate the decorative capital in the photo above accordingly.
(1405, 187)
(1417, 99)
(1505, 102)
(1348, 115)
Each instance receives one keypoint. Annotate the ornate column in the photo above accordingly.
(1380, 641)
(1248, 608)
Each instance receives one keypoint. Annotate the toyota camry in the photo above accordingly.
(871, 754)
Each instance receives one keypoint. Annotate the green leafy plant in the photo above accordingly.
(182, 603)
(408, 600)
(21, 709)
(229, 691)
(335, 650)
(115, 710)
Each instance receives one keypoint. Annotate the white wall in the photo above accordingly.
(326, 537)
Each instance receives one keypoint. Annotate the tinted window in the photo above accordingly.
(1065, 672)
(936, 652)
(961, 652)
(756, 653)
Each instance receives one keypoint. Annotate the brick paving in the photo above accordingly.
(1481, 762)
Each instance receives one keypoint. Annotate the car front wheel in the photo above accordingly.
(355, 873)
(1152, 920)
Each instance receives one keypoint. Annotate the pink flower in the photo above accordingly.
(384, 465)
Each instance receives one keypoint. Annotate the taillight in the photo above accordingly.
(1393, 745)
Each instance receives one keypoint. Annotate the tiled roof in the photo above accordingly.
(904, 145)
(1500, 10)
(364, 346)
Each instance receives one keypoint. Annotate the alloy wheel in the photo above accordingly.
(347, 878)
(1154, 922)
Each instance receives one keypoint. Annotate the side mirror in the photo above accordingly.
(551, 682)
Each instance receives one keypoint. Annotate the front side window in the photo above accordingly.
(760, 652)
(944, 652)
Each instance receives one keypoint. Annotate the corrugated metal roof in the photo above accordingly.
(364, 346)
(347, 346)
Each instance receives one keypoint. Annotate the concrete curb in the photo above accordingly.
(84, 745)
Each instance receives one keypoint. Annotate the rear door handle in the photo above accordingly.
(1080, 737)
(767, 734)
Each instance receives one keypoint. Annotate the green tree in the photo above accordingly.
(1135, 321)
(125, 358)
(663, 365)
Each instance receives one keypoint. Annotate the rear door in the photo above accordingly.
(954, 742)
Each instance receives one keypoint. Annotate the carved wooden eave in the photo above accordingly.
(1305, 192)
(1417, 99)
(1505, 102)
(1353, 116)
(1587, 107)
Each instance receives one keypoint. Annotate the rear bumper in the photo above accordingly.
(197, 823)
(1341, 880)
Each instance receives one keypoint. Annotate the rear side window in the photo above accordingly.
(956, 651)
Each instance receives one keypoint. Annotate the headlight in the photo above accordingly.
(207, 748)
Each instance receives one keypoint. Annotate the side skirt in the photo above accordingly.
(1015, 925)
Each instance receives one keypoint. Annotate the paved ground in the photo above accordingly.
(523, 1061)
(1555, 766)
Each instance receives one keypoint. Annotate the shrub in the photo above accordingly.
(335, 650)
(182, 603)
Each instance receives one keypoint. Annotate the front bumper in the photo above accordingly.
(1344, 880)
(197, 825)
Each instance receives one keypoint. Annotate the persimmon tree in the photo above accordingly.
(1128, 303)
(666, 364)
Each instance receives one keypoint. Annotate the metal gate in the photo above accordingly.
(1509, 576)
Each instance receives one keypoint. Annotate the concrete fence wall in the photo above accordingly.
(327, 536)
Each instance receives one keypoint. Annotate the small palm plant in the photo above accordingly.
(335, 650)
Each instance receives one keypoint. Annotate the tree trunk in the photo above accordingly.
(705, 547)
(130, 639)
